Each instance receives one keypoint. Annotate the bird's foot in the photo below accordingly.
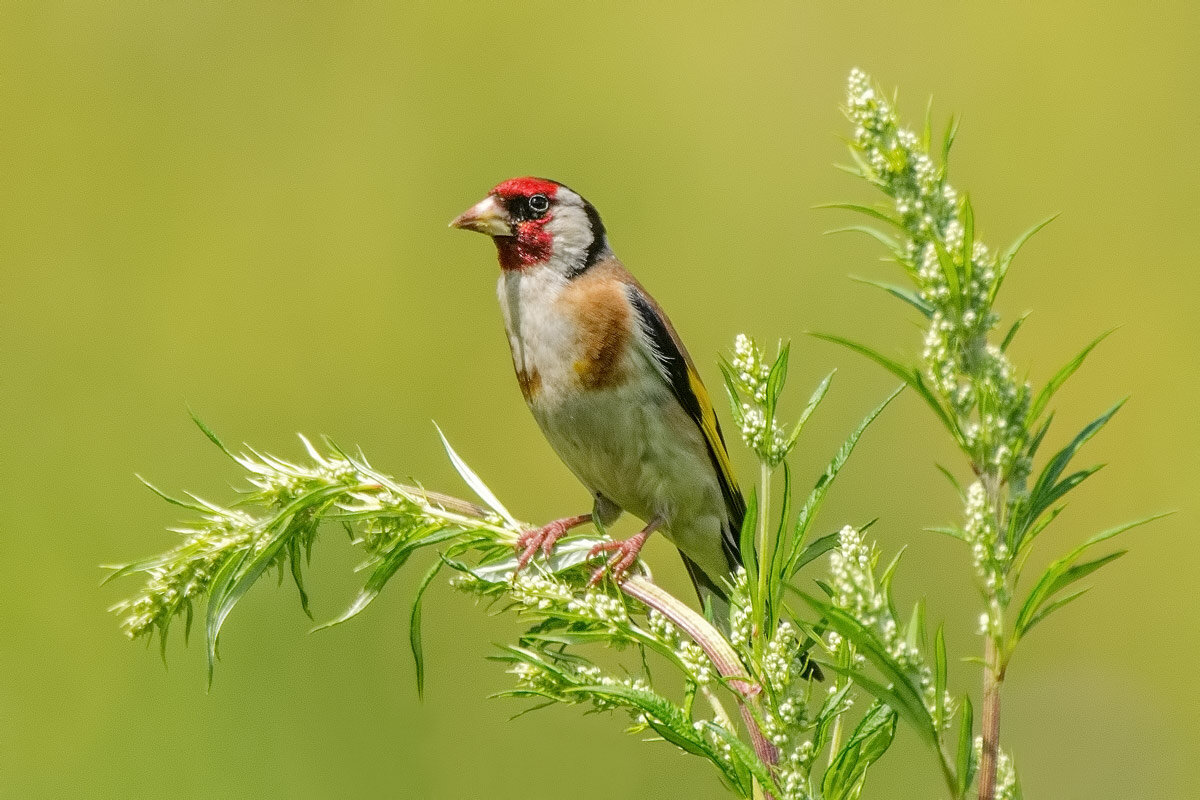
(624, 554)
(544, 538)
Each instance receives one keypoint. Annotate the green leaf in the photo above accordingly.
(385, 567)
(909, 376)
(939, 680)
(208, 432)
(870, 211)
(1006, 260)
(742, 752)
(1044, 491)
(1049, 608)
(949, 271)
(476, 483)
(1012, 332)
(965, 763)
(876, 234)
(968, 242)
(948, 139)
(907, 295)
(954, 533)
(903, 695)
(777, 377)
(746, 544)
(1057, 577)
(1065, 571)
(815, 400)
(813, 502)
(816, 548)
(844, 778)
(1060, 377)
(295, 562)
(414, 626)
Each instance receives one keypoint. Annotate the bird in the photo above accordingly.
(612, 388)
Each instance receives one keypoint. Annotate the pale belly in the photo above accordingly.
(627, 439)
(634, 445)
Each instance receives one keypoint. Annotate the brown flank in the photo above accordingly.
(600, 306)
(531, 383)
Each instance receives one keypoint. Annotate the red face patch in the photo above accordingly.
(525, 187)
(532, 245)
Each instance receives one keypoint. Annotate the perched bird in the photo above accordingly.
(611, 386)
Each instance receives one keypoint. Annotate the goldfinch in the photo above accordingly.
(611, 386)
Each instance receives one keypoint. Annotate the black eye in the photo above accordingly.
(539, 203)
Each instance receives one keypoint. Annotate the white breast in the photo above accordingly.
(631, 442)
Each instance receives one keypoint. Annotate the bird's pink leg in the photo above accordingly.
(624, 553)
(543, 538)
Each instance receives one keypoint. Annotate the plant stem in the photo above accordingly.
(716, 648)
(764, 517)
(993, 677)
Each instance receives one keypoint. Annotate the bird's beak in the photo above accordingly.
(486, 216)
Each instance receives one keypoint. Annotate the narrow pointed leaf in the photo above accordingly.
(907, 295)
(815, 400)
(813, 502)
(1060, 377)
(476, 483)
(909, 376)
(1005, 261)
(870, 211)
(414, 626)
(965, 761)
(1012, 331)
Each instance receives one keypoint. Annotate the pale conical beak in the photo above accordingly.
(486, 216)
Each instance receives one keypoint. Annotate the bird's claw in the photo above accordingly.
(624, 556)
(542, 538)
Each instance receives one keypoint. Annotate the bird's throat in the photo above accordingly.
(532, 245)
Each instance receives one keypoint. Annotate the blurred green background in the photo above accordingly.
(243, 209)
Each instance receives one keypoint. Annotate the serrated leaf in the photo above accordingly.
(1060, 377)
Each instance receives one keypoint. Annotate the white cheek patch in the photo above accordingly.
(572, 232)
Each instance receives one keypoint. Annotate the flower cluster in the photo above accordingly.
(956, 278)
(182, 576)
(857, 591)
(989, 553)
(748, 377)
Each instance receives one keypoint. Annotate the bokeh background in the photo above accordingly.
(242, 209)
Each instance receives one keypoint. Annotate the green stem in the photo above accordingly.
(764, 517)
